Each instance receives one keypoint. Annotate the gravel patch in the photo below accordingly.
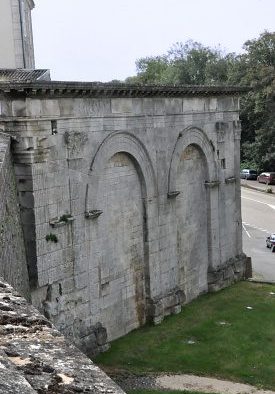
(136, 382)
(128, 381)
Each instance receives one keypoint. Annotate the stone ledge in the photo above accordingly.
(36, 358)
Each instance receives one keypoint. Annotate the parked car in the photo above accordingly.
(270, 242)
(249, 174)
(267, 177)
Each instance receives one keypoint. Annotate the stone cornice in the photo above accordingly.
(97, 89)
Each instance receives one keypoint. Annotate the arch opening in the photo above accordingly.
(192, 211)
(204, 203)
(121, 184)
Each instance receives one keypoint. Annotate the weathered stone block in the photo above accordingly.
(101, 334)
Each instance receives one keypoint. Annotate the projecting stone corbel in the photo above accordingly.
(173, 194)
(231, 179)
(93, 214)
(62, 221)
(211, 184)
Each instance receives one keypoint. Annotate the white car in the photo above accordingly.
(270, 242)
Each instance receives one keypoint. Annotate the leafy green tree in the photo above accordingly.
(256, 68)
(151, 70)
(191, 63)
(187, 63)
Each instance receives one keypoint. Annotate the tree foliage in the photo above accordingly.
(258, 107)
(191, 63)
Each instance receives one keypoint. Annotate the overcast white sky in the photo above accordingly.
(100, 40)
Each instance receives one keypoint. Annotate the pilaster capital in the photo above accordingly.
(237, 129)
(29, 150)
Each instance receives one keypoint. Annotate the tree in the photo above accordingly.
(187, 63)
(191, 63)
(151, 70)
(256, 68)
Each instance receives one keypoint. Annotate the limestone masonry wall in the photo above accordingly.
(13, 264)
(35, 357)
(130, 205)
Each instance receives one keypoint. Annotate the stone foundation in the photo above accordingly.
(93, 340)
(171, 303)
(233, 270)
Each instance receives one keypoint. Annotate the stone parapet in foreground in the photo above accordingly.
(36, 358)
(13, 264)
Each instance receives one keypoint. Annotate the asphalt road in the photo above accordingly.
(258, 215)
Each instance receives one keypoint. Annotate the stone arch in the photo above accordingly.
(192, 136)
(117, 148)
(195, 140)
(128, 143)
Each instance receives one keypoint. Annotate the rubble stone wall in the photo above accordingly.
(36, 358)
(13, 264)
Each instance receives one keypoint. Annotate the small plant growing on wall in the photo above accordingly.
(62, 220)
(65, 218)
(51, 238)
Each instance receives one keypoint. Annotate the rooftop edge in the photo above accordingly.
(99, 89)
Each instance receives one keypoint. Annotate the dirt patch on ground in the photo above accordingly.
(209, 385)
(130, 381)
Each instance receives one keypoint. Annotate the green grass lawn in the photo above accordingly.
(215, 335)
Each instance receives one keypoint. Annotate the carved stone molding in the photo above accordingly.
(237, 129)
(28, 150)
(221, 126)
(220, 136)
(75, 140)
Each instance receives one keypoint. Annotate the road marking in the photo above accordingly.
(259, 202)
(252, 199)
(247, 233)
(255, 228)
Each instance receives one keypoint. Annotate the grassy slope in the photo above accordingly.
(242, 350)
